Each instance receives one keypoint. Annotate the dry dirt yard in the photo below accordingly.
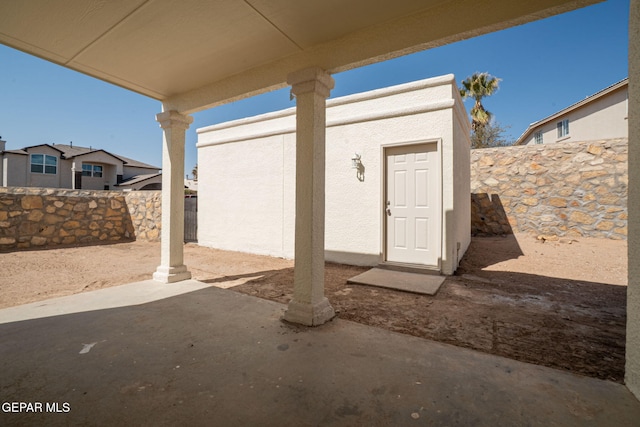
(560, 304)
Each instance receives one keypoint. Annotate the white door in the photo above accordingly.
(413, 207)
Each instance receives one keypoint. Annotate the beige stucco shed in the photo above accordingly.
(397, 179)
(195, 54)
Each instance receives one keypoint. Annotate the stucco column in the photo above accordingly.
(73, 175)
(309, 306)
(172, 268)
(632, 371)
(5, 171)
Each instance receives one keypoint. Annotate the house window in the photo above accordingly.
(42, 163)
(91, 170)
(537, 137)
(563, 128)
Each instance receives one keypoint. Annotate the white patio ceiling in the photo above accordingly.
(194, 54)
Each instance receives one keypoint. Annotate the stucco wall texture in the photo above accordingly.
(247, 173)
(43, 217)
(569, 189)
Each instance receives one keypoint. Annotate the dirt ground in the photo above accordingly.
(558, 304)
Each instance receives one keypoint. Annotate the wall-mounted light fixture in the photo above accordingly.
(356, 163)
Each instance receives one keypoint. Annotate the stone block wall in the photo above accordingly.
(44, 217)
(566, 189)
(145, 208)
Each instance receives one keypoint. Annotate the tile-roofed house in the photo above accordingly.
(69, 166)
(602, 115)
(149, 181)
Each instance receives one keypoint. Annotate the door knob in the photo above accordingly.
(388, 211)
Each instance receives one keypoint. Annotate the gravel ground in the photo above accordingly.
(560, 304)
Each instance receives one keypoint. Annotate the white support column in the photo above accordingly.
(172, 268)
(632, 369)
(73, 175)
(309, 306)
(5, 172)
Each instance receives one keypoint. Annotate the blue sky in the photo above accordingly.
(544, 66)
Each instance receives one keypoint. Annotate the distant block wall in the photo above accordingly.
(43, 217)
(566, 189)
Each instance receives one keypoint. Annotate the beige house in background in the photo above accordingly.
(68, 166)
(603, 115)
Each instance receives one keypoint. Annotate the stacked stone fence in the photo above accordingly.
(567, 189)
(573, 189)
(145, 209)
(44, 217)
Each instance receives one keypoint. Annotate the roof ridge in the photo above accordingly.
(69, 151)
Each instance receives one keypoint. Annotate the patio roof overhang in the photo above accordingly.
(195, 54)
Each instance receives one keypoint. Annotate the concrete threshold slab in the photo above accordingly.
(426, 284)
(116, 296)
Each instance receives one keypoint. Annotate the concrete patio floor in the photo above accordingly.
(201, 355)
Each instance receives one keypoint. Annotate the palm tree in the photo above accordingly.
(477, 87)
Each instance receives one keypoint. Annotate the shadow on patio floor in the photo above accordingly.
(216, 357)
